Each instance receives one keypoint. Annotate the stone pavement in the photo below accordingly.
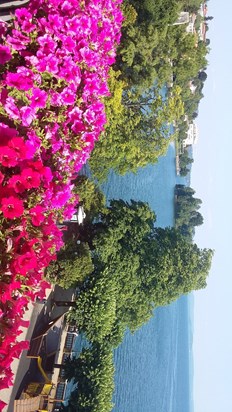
(38, 314)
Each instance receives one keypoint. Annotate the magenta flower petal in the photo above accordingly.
(5, 54)
(12, 207)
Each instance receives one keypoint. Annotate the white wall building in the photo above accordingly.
(192, 135)
(183, 18)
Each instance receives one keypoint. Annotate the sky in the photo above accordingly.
(212, 180)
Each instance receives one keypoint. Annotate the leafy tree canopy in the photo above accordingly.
(93, 372)
(186, 211)
(73, 265)
(137, 267)
(138, 133)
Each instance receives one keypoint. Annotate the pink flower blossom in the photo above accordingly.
(17, 143)
(11, 108)
(67, 6)
(68, 43)
(61, 197)
(5, 54)
(30, 178)
(24, 18)
(70, 71)
(38, 98)
(37, 215)
(47, 44)
(12, 207)
(25, 263)
(19, 80)
(78, 126)
(3, 28)
(18, 41)
(8, 157)
(47, 63)
(32, 145)
(55, 99)
(2, 404)
(27, 115)
(75, 46)
(1, 177)
(6, 133)
(16, 182)
(68, 96)
(23, 15)
(47, 174)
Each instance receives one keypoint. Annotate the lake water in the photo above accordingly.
(154, 366)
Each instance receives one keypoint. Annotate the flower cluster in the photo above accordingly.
(54, 62)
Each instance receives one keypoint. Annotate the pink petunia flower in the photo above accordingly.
(6, 133)
(16, 182)
(17, 143)
(18, 41)
(3, 28)
(68, 96)
(12, 207)
(25, 20)
(38, 98)
(5, 54)
(23, 14)
(32, 144)
(20, 80)
(47, 63)
(37, 215)
(1, 177)
(31, 179)
(2, 404)
(27, 115)
(11, 108)
(68, 43)
(47, 44)
(26, 262)
(8, 157)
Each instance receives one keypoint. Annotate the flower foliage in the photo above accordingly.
(54, 62)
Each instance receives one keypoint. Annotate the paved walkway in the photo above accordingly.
(38, 314)
(22, 364)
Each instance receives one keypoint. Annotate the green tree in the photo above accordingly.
(185, 162)
(159, 12)
(138, 134)
(90, 196)
(186, 210)
(178, 266)
(93, 372)
(202, 76)
(137, 268)
(73, 265)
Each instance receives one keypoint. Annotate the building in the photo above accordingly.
(202, 31)
(191, 24)
(183, 18)
(192, 87)
(192, 135)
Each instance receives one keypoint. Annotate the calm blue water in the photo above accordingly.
(154, 366)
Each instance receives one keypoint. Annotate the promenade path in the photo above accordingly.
(38, 314)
